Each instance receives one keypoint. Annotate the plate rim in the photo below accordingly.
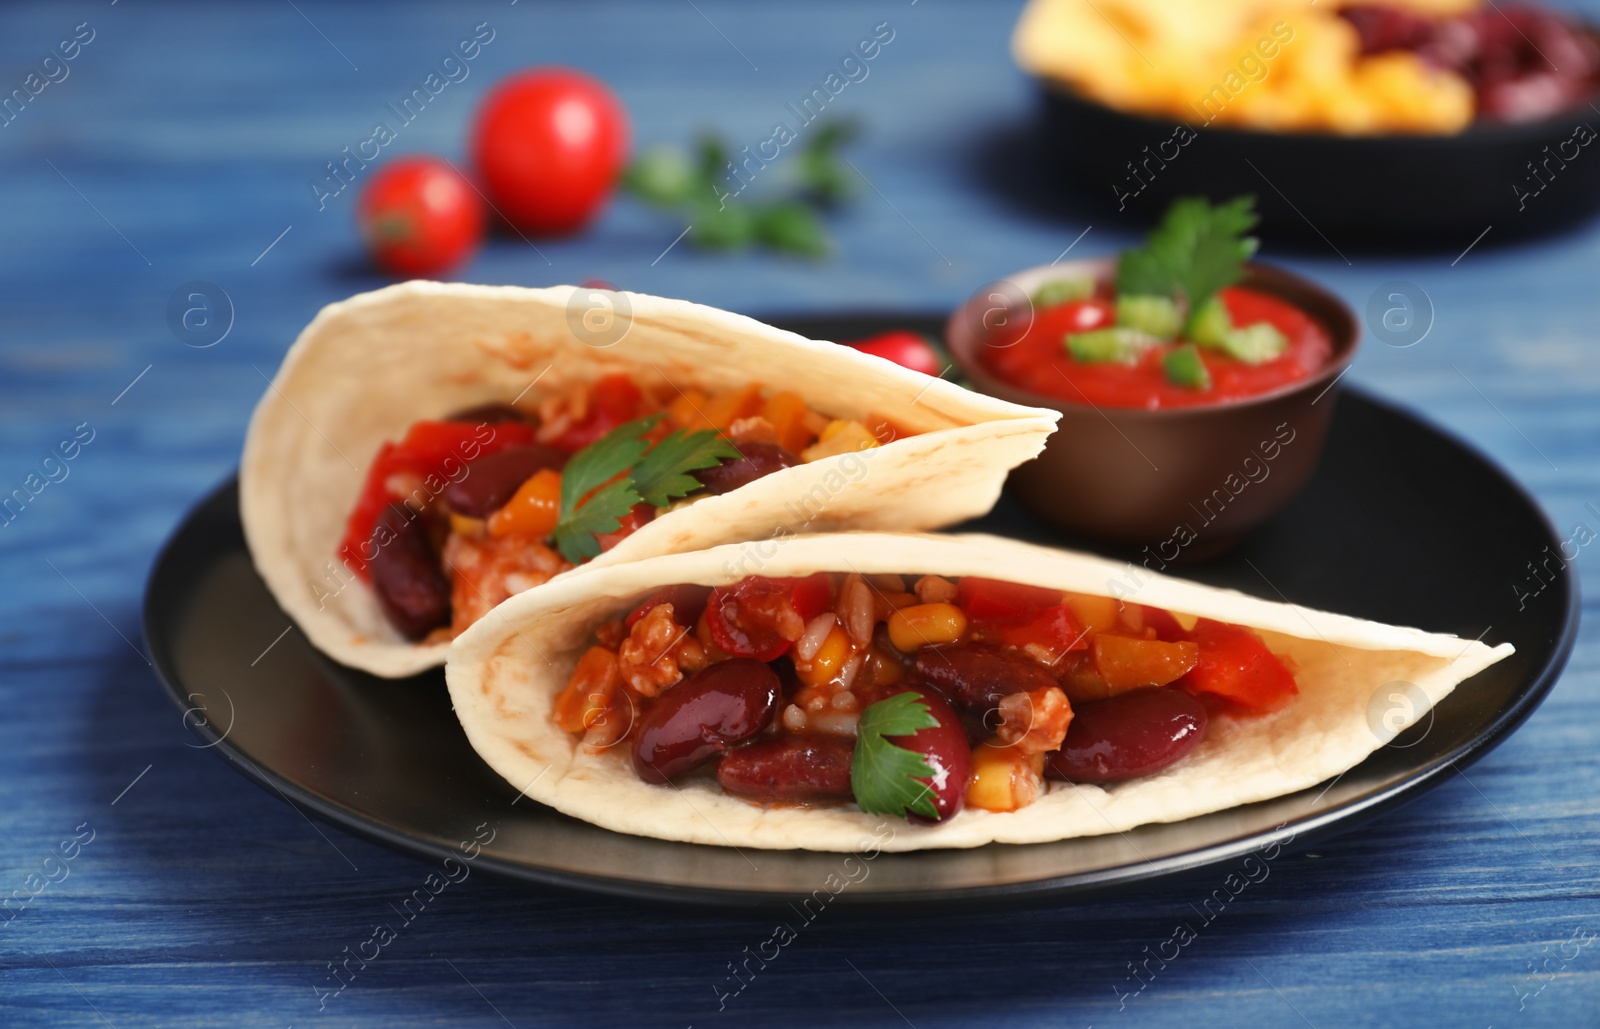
(1301, 831)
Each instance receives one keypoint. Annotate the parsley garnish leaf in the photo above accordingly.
(886, 778)
(575, 534)
(590, 468)
(663, 475)
(1196, 250)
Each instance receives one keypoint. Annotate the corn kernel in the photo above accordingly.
(924, 624)
(826, 663)
(1004, 778)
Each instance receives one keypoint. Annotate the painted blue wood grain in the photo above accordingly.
(182, 144)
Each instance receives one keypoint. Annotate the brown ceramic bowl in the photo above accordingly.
(1184, 483)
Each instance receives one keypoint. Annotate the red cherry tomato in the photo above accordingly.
(907, 349)
(418, 216)
(549, 145)
(745, 617)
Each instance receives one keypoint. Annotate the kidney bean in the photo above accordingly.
(946, 750)
(489, 414)
(789, 769)
(494, 479)
(411, 587)
(702, 716)
(759, 459)
(1131, 734)
(977, 675)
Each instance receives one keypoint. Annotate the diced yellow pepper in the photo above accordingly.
(924, 624)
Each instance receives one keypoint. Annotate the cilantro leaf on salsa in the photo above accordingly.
(1197, 249)
(886, 778)
(663, 475)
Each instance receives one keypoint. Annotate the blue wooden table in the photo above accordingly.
(179, 144)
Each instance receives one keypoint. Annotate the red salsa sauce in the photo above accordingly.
(1040, 362)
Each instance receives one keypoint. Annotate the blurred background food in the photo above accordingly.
(1406, 66)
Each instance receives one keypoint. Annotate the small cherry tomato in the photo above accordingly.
(760, 617)
(904, 348)
(549, 145)
(418, 216)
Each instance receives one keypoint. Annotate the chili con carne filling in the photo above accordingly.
(911, 696)
(461, 513)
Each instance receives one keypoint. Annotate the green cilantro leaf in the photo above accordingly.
(663, 475)
(576, 533)
(1196, 250)
(603, 460)
(886, 777)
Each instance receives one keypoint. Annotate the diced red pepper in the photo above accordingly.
(1236, 665)
(613, 400)
(1056, 629)
(1144, 617)
(428, 449)
(991, 600)
(687, 600)
(1166, 626)
(812, 595)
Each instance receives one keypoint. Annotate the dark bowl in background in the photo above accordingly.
(1134, 477)
(1412, 191)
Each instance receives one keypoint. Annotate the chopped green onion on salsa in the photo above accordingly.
(1173, 327)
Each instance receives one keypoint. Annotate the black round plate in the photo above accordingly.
(1401, 524)
(1420, 192)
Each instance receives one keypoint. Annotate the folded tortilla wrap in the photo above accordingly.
(366, 368)
(505, 671)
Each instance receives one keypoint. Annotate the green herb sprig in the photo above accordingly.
(1197, 249)
(787, 221)
(592, 504)
(886, 778)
